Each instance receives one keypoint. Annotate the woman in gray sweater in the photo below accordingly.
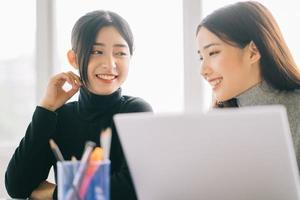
(247, 62)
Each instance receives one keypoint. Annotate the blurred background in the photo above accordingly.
(35, 36)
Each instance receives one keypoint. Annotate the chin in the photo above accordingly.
(222, 98)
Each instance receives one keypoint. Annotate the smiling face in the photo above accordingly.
(230, 70)
(109, 62)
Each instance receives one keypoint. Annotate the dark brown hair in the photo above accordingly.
(240, 23)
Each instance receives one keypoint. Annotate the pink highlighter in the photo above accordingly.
(95, 158)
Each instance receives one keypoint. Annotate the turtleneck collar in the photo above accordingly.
(92, 106)
(260, 94)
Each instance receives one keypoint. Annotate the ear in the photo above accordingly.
(72, 59)
(254, 55)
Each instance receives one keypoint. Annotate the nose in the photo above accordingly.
(109, 62)
(205, 70)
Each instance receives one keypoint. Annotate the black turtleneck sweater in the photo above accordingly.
(71, 126)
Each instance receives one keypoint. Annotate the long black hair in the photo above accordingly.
(85, 32)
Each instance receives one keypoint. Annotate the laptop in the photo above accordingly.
(226, 154)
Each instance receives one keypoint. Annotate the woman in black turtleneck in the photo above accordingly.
(102, 45)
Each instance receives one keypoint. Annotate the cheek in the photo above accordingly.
(123, 67)
(124, 73)
(228, 65)
(221, 65)
(89, 71)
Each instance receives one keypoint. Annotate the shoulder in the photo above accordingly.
(292, 104)
(295, 98)
(296, 93)
(292, 98)
(135, 104)
(67, 108)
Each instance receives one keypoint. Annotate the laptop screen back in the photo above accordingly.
(227, 154)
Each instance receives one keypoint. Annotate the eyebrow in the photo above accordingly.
(115, 45)
(209, 45)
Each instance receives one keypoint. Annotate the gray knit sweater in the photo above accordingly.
(264, 94)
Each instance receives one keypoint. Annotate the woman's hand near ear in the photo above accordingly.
(55, 95)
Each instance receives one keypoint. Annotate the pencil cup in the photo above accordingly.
(83, 182)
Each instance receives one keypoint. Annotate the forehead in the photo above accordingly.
(205, 37)
(109, 35)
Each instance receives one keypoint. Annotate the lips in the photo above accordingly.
(108, 77)
(214, 82)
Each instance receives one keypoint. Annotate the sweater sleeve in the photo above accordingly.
(135, 104)
(122, 186)
(31, 161)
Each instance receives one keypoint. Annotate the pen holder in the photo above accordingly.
(93, 184)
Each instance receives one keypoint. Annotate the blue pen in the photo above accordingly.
(73, 192)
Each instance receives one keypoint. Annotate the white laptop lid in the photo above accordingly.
(229, 154)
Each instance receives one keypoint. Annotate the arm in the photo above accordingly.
(121, 183)
(43, 191)
(32, 160)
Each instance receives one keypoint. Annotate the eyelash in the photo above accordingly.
(213, 53)
(210, 54)
(121, 54)
(97, 52)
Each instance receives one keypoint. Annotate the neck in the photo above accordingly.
(255, 78)
(92, 106)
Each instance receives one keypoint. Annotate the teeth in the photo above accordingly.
(105, 76)
(215, 82)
